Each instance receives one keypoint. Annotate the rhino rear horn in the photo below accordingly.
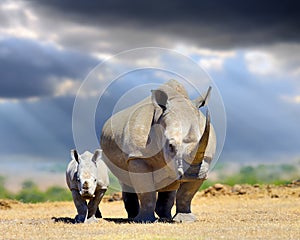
(202, 101)
(203, 141)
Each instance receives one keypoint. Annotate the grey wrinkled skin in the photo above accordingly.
(163, 144)
(87, 178)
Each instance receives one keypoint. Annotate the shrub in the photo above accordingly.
(4, 193)
(58, 194)
(30, 193)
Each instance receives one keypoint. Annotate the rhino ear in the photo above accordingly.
(138, 127)
(159, 100)
(74, 155)
(97, 154)
(140, 123)
(202, 101)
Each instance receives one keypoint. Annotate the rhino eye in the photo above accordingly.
(95, 180)
(171, 148)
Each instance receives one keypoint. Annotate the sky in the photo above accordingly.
(249, 48)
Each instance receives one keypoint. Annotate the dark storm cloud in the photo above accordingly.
(209, 23)
(42, 129)
(260, 126)
(30, 69)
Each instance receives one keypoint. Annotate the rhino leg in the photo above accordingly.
(164, 204)
(93, 205)
(81, 206)
(184, 196)
(146, 213)
(142, 181)
(131, 203)
(98, 213)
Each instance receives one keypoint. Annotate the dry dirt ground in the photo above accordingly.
(241, 212)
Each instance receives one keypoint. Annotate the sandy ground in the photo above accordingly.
(223, 213)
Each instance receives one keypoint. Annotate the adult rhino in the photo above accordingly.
(162, 144)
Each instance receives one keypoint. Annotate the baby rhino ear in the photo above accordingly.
(74, 155)
(97, 154)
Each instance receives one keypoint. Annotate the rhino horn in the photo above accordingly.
(203, 141)
(202, 101)
(74, 155)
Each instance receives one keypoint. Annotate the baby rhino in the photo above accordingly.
(87, 178)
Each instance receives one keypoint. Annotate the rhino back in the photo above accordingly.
(122, 135)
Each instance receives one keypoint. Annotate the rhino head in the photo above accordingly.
(184, 129)
(87, 174)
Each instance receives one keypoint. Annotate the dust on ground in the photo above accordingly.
(223, 212)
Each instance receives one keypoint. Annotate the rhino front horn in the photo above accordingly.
(203, 141)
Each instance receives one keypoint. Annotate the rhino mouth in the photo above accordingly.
(86, 195)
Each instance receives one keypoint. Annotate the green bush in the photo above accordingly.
(261, 174)
(30, 196)
(58, 194)
(30, 193)
(114, 185)
(4, 193)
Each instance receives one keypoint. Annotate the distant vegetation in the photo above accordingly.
(261, 174)
(31, 193)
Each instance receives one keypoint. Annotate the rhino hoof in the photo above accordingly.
(79, 219)
(184, 217)
(92, 219)
(143, 218)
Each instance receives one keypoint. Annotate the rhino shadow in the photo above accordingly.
(130, 220)
(69, 220)
(64, 220)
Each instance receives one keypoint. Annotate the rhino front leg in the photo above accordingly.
(81, 206)
(184, 196)
(146, 213)
(142, 181)
(93, 205)
(131, 203)
(164, 204)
